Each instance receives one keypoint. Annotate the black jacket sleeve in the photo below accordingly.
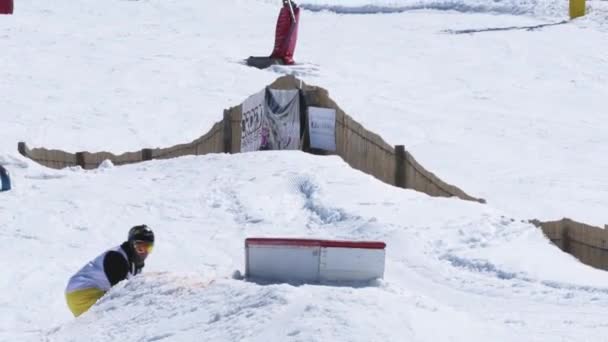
(115, 267)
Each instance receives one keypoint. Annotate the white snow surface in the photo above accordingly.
(514, 116)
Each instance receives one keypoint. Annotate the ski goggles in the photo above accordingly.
(142, 246)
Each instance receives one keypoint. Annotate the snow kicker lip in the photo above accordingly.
(481, 266)
(507, 28)
(488, 268)
(439, 6)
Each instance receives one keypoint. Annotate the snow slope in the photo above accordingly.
(514, 116)
(450, 276)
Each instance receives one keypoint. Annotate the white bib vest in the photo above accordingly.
(93, 274)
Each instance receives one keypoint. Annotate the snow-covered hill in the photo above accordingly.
(452, 272)
(514, 116)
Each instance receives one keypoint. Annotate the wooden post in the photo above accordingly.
(22, 148)
(310, 97)
(80, 159)
(146, 154)
(577, 8)
(400, 159)
(227, 131)
(565, 237)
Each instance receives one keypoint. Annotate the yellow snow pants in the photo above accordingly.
(80, 301)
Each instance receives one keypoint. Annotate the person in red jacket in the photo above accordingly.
(286, 34)
(6, 6)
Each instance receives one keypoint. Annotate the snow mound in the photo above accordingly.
(516, 7)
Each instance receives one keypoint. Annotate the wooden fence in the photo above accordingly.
(212, 142)
(366, 151)
(587, 243)
(360, 148)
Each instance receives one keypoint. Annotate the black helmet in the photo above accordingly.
(141, 233)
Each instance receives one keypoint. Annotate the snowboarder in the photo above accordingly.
(119, 263)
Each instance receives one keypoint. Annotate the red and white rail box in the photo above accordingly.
(306, 260)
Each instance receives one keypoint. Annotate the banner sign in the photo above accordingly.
(251, 122)
(322, 127)
(281, 124)
(271, 121)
